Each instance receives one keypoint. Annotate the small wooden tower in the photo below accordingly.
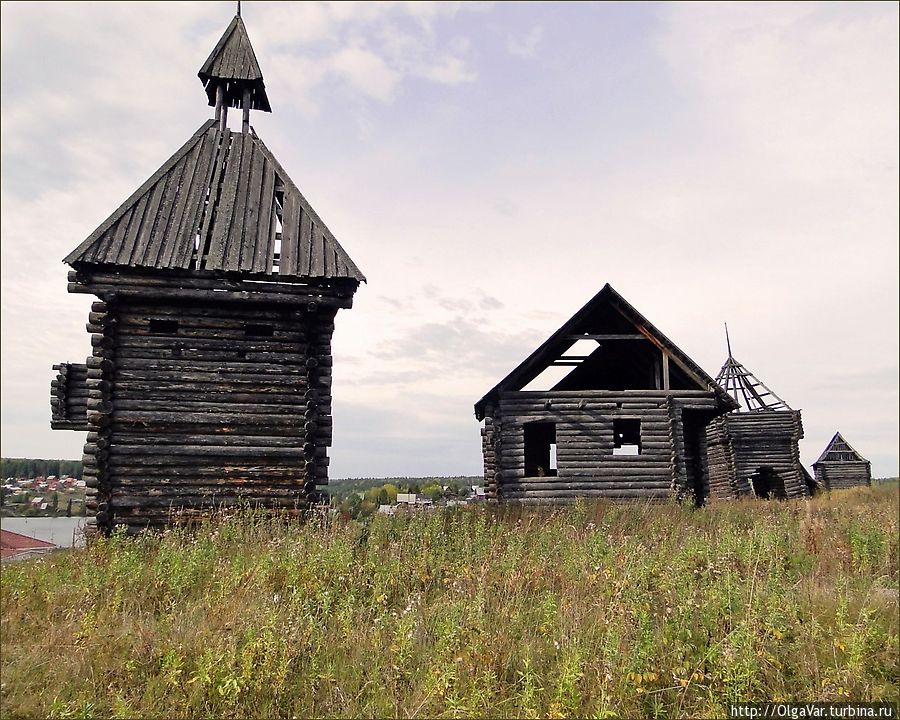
(840, 466)
(755, 450)
(627, 420)
(218, 285)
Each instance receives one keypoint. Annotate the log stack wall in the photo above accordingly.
(586, 464)
(743, 443)
(842, 475)
(68, 397)
(207, 404)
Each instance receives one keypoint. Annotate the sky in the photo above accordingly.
(489, 167)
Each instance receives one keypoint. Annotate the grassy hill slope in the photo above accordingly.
(596, 610)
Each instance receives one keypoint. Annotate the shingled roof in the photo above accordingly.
(221, 203)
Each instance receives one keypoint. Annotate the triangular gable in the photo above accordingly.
(621, 322)
(167, 224)
(233, 59)
(750, 393)
(839, 450)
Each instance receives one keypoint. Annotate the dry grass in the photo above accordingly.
(597, 610)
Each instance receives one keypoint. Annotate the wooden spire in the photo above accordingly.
(231, 75)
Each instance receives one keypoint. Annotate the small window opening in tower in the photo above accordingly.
(163, 327)
(257, 330)
(626, 436)
(540, 449)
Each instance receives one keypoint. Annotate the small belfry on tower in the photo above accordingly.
(217, 286)
(755, 450)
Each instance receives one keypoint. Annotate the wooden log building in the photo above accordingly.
(755, 450)
(209, 380)
(840, 466)
(627, 420)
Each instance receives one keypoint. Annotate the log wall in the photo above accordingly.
(68, 397)
(742, 443)
(206, 404)
(586, 465)
(840, 475)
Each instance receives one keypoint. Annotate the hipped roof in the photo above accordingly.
(167, 223)
(560, 341)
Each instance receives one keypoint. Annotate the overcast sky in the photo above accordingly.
(489, 167)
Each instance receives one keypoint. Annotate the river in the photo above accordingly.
(62, 531)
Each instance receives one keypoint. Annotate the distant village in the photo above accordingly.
(362, 498)
(41, 496)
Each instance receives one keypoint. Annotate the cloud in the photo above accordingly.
(525, 46)
(365, 72)
(449, 70)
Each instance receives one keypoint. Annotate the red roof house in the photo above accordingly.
(13, 546)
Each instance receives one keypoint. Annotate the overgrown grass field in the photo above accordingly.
(596, 610)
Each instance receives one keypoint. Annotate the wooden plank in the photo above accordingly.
(265, 236)
(235, 237)
(246, 250)
(113, 240)
(317, 253)
(175, 239)
(192, 219)
(305, 245)
(225, 207)
(607, 336)
(134, 225)
(290, 236)
(218, 170)
(174, 190)
(146, 228)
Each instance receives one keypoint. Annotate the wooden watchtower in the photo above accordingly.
(840, 466)
(755, 450)
(210, 377)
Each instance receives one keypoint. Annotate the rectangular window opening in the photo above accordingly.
(540, 449)
(626, 436)
(163, 327)
(254, 330)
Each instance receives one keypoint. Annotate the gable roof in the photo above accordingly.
(168, 224)
(839, 450)
(234, 61)
(563, 338)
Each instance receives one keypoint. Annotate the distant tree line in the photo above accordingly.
(31, 467)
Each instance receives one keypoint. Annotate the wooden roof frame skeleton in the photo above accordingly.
(551, 351)
(747, 390)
